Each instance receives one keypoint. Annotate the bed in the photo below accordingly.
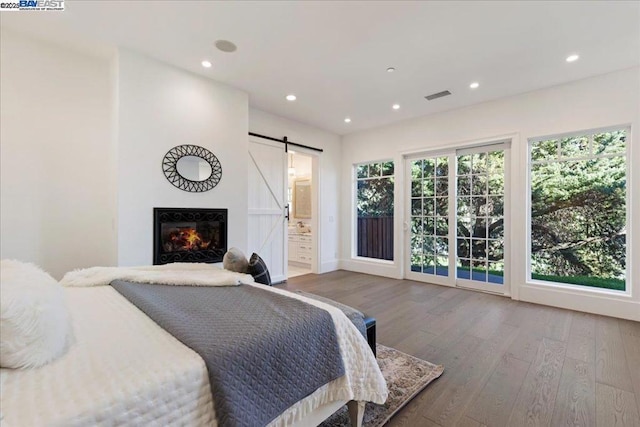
(124, 369)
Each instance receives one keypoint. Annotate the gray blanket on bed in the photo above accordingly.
(263, 351)
(356, 317)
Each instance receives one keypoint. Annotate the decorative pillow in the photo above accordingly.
(258, 269)
(235, 260)
(35, 325)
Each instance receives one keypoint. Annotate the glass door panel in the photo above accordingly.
(429, 209)
(480, 196)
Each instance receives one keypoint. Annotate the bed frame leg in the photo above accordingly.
(356, 412)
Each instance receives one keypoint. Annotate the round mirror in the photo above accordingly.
(194, 168)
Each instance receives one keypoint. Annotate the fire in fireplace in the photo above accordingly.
(183, 237)
(189, 235)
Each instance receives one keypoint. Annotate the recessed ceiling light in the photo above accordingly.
(396, 106)
(225, 46)
(573, 58)
(474, 85)
(347, 120)
(291, 97)
(206, 64)
(390, 70)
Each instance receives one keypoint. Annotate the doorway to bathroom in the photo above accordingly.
(300, 233)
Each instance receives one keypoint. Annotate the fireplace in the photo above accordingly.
(189, 235)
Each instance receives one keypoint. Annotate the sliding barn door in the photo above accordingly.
(268, 205)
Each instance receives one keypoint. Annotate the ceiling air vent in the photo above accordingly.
(438, 95)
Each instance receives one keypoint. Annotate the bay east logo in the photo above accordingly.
(32, 5)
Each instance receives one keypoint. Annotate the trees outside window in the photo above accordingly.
(374, 209)
(578, 209)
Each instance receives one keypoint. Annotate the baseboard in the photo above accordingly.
(596, 304)
(376, 268)
(300, 264)
(329, 266)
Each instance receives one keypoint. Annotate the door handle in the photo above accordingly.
(286, 215)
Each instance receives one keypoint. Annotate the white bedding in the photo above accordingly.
(122, 369)
(125, 370)
(177, 273)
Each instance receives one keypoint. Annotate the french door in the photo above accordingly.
(457, 217)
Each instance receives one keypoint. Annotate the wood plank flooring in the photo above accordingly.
(507, 363)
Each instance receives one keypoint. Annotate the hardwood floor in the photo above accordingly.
(507, 363)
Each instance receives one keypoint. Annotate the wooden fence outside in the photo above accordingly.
(375, 237)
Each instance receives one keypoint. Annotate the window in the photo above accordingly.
(578, 209)
(374, 207)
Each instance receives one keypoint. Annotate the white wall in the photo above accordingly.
(328, 184)
(160, 107)
(57, 195)
(612, 99)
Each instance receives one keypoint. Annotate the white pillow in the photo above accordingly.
(34, 320)
(235, 260)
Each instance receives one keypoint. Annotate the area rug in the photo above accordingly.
(406, 377)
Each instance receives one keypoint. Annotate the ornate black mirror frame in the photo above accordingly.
(170, 163)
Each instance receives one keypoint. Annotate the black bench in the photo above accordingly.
(369, 322)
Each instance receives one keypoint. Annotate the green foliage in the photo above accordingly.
(374, 197)
(596, 282)
(578, 209)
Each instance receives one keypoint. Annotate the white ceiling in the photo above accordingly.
(334, 55)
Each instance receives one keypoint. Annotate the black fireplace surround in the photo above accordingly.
(189, 235)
